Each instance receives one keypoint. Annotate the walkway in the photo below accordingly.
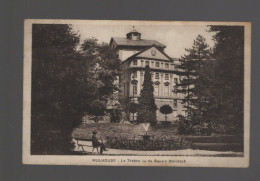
(186, 152)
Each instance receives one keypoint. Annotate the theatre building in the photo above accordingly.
(135, 53)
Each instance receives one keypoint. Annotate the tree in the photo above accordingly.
(55, 97)
(147, 107)
(166, 109)
(103, 67)
(133, 108)
(192, 84)
(228, 88)
(66, 84)
(97, 108)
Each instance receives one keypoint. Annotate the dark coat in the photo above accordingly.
(95, 142)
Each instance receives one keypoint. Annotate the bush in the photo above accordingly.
(184, 126)
(166, 123)
(151, 144)
(132, 107)
(166, 109)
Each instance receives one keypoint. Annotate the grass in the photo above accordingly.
(124, 130)
(129, 131)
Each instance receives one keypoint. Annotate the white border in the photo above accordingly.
(190, 161)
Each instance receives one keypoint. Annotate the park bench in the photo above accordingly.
(82, 145)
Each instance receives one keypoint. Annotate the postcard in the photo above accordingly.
(136, 93)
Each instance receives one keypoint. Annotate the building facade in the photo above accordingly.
(135, 53)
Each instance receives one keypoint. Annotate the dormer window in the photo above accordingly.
(167, 65)
(135, 62)
(157, 64)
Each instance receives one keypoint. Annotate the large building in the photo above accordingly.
(135, 53)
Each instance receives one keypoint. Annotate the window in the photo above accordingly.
(166, 76)
(175, 80)
(135, 62)
(134, 88)
(157, 64)
(167, 65)
(175, 89)
(152, 64)
(156, 75)
(175, 103)
(156, 90)
(134, 74)
(142, 63)
(166, 90)
(141, 73)
(147, 63)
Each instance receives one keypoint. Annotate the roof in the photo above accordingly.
(139, 54)
(144, 43)
(175, 59)
(133, 31)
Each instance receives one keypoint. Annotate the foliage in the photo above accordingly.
(64, 85)
(97, 107)
(192, 84)
(103, 67)
(147, 107)
(184, 126)
(228, 84)
(214, 83)
(133, 107)
(166, 109)
(173, 143)
(54, 112)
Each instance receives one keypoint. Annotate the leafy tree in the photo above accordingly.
(228, 81)
(97, 108)
(166, 109)
(103, 67)
(55, 97)
(147, 107)
(66, 84)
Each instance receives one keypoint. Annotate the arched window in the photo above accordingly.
(156, 89)
(166, 90)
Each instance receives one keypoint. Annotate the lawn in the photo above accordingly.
(129, 131)
(124, 130)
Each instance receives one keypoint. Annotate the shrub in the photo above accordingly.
(184, 126)
(166, 109)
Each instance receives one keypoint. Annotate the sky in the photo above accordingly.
(175, 37)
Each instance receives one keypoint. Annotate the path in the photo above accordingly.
(186, 152)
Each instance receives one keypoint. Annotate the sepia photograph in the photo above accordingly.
(136, 93)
